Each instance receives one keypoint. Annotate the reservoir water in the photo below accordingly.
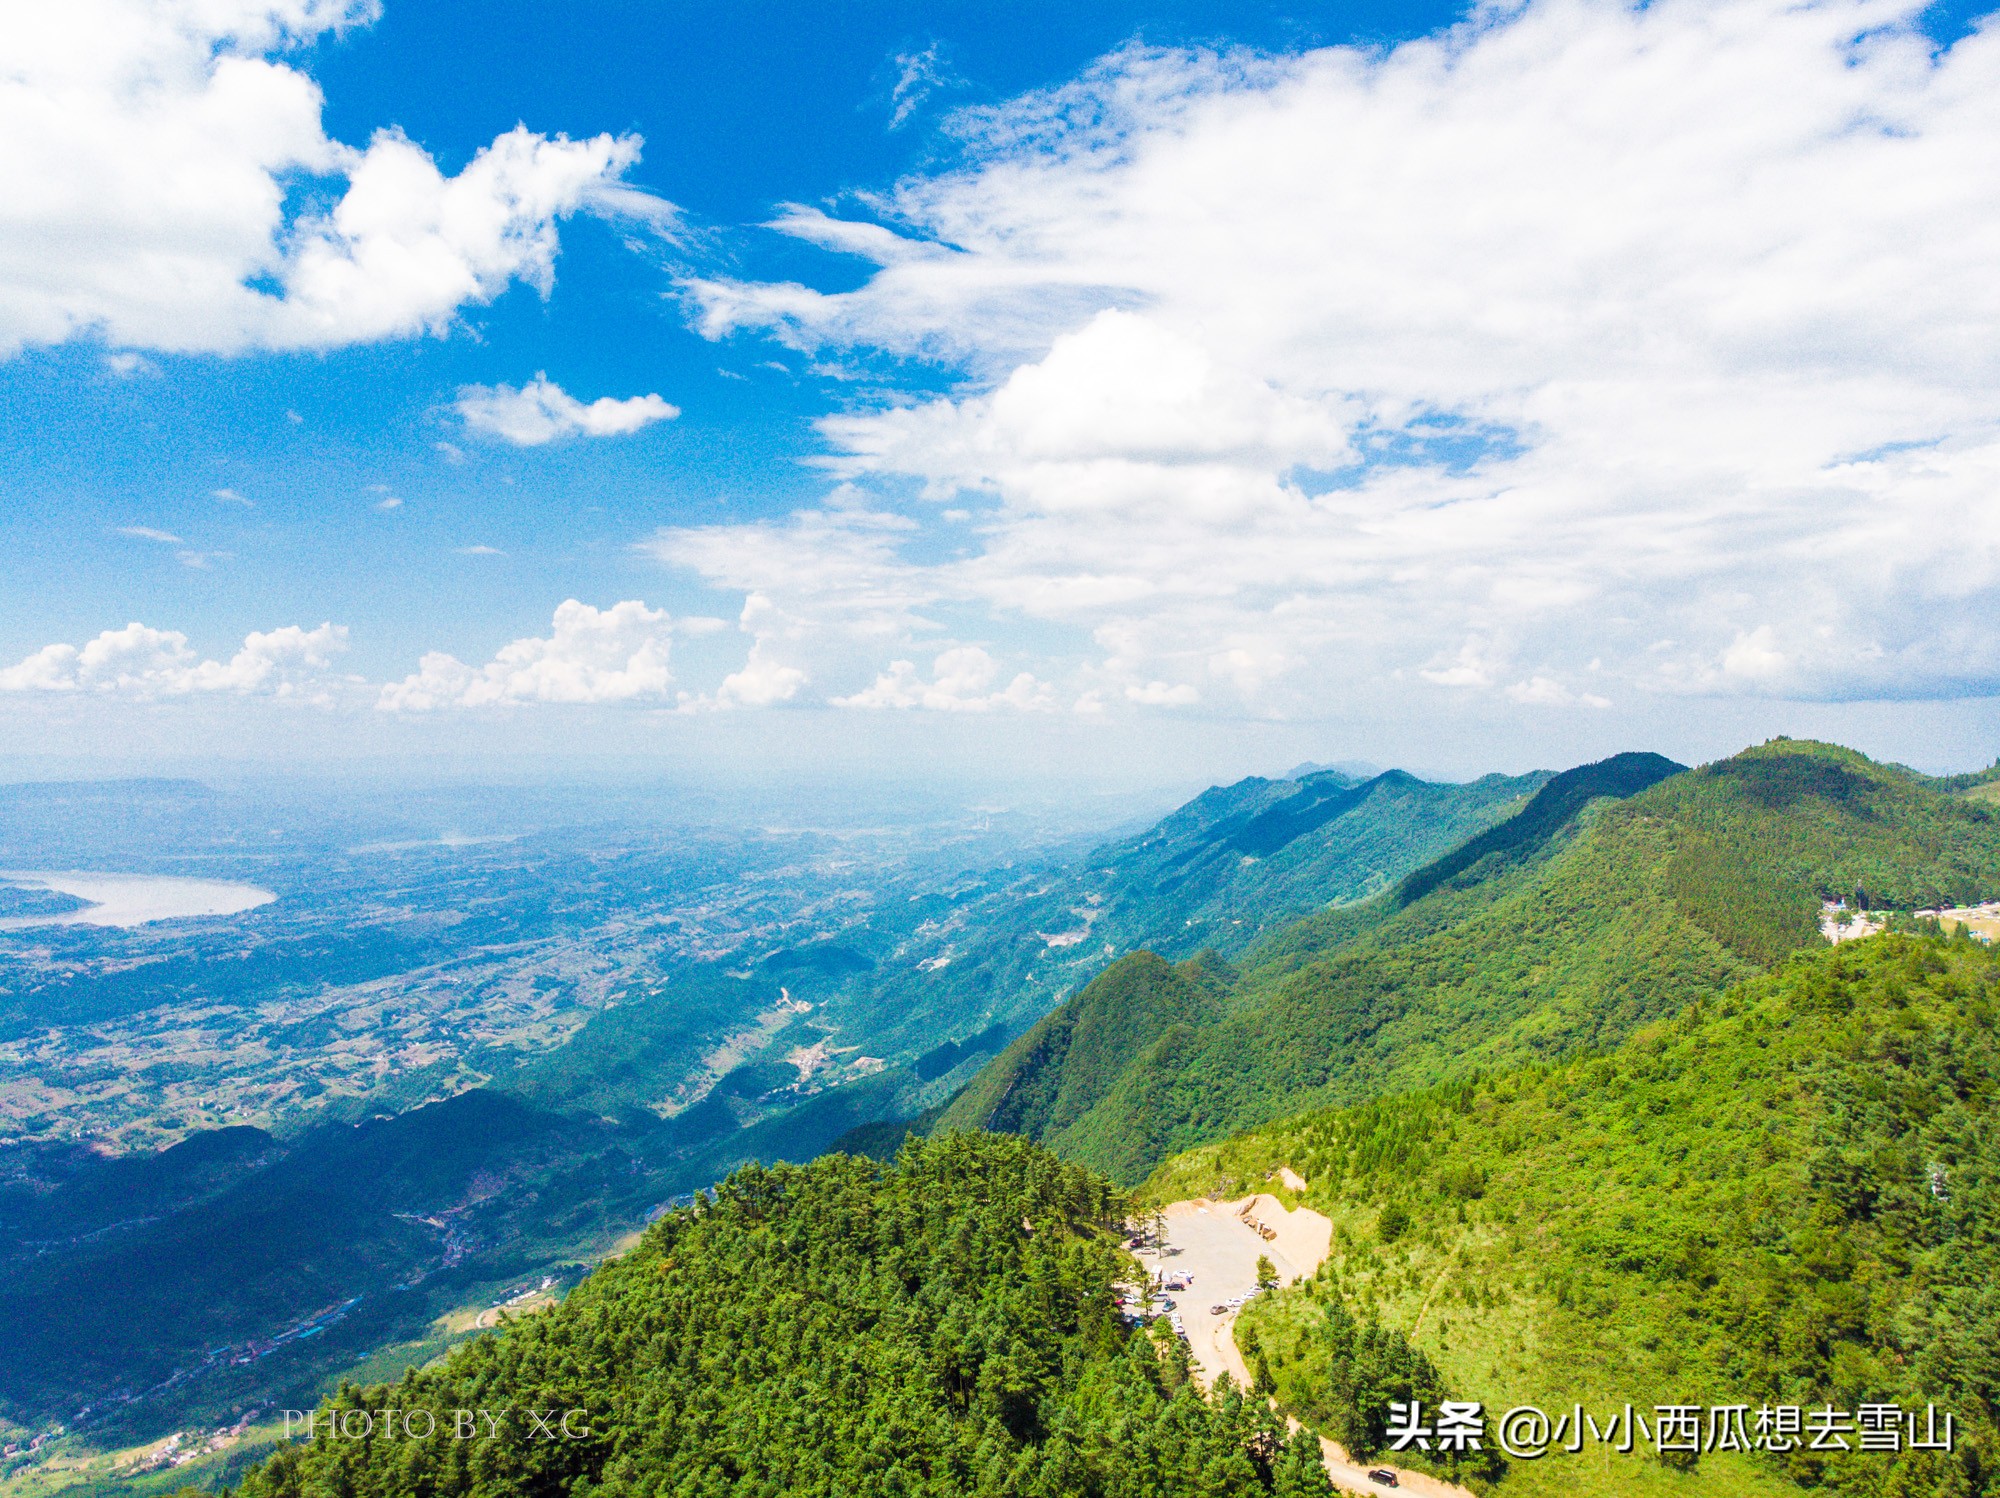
(131, 899)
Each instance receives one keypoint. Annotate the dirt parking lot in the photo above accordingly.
(1215, 1243)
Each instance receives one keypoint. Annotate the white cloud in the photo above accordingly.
(837, 568)
(1476, 665)
(763, 681)
(918, 76)
(591, 655)
(149, 145)
(141, 661)
(1546, 691)
(1576, 328)
(1121, 393)
(962, 681)
(150, 533)
(231, 497)
(1754, 655)
(541, 411)
(766, 678)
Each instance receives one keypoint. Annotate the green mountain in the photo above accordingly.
(1789, 1195)
(1620, 893)
(945, 1325)
(1222, 871)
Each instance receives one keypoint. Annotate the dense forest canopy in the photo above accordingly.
(1618, 895)
(1787, 1195)
(945, 1324)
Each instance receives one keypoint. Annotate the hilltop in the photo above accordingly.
(1620, 893)
(943, 1325)
(1787, 1195)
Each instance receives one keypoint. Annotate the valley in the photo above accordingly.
(341, 1133)
(242, 1156)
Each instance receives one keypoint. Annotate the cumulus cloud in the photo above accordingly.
(590, 655)
(962, 681)
(141, 661)
(763, 682)
(149, 147)
(1656, 349)
(541, 411)
(1164, 694)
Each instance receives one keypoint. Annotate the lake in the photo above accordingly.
(131, 899)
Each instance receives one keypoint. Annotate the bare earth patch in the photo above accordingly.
(1215, 1244)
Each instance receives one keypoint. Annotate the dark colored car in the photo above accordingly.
(1384, 1476)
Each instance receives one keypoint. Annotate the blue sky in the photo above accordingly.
(1115, 391)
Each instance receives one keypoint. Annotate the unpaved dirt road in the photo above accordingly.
(1214, 1242)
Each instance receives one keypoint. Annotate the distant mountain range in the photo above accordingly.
(1219, 873)
(45, 792)
(1619, 893)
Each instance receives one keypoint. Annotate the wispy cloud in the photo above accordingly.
(919, 75)
(150, 533)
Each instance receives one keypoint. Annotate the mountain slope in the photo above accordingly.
(942, 1326)
(1553, 808)
(1236, 862)
(1056, 1073)
(1788, 1195)
(1561, 930)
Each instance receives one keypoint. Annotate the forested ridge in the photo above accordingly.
(944, 1324)
(1787, 1195)
(1614, 898)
